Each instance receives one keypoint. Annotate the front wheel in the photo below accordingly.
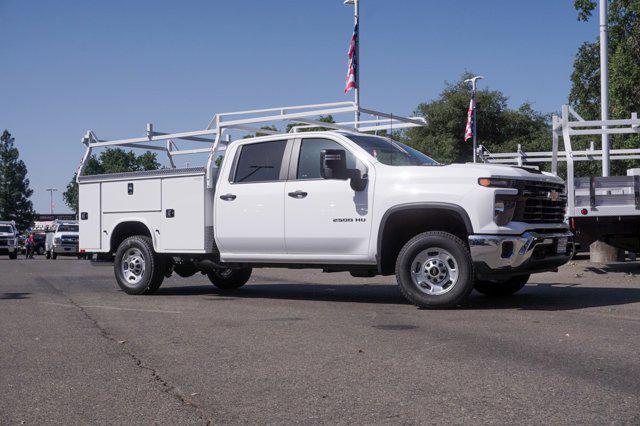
(434, 270)
(13, 255)
(229, 279)
(54, 255)
(502, 288)
(138, 269)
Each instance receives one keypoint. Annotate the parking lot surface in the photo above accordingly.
(305, 347)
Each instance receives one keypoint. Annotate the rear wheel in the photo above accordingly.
(229, 279)
(138, 269)
(502, 288)
(434, 270)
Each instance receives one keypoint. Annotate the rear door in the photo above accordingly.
(249, 201)
(325, 217)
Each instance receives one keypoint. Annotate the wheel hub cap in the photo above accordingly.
(133, 266)
(434, 271)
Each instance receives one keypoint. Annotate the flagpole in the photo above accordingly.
(356, 90)
(473, 82)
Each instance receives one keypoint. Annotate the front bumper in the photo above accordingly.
(503, 256)
(65, 249)
(7, 249)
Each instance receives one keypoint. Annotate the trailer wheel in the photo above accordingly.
(503, 288)
(229, 279)
(434, 270)
(138, 268)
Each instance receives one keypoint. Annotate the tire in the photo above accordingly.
(229, 279)
(47, 255)
(40, 250)
(54, 255)
(138, 268)
(435, 270)
(13, 256)
(502, 289)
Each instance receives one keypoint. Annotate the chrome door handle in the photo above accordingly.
(298, 194)
(228, 197)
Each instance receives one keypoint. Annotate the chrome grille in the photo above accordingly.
(541, 202)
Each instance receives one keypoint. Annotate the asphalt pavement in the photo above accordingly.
(305, 347)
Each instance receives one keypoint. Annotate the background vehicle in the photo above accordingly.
(9, 239)
(338, 200)
(63, 240)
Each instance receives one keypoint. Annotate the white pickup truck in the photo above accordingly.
(63, 240)
(9, 239)
(338, 200)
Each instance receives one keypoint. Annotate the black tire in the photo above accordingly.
(229, 279)
(47, 255)
(13, 255)
(54, 255)
(502, 288)
(40, 250)
(426, 294)
(153, 266)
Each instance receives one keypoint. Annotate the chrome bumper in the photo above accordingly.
(526, 253)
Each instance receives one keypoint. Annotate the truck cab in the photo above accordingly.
(63, 240)
(9, 239)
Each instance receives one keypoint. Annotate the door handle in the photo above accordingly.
(298, 194)
(228, 197)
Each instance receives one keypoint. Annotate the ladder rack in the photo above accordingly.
(217, 134)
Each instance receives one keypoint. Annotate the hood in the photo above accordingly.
(502, 170)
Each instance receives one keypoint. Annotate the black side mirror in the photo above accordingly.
(333, 164)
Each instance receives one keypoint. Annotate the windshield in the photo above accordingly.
(390, 152)
(6, 229)
(68, 228)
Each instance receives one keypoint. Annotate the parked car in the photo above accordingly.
(63, 241)
(9, 239)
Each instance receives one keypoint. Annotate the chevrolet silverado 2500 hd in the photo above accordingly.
(339, 200)
(9, 239)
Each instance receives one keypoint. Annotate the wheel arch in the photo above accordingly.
(400, 223)
(127, 228)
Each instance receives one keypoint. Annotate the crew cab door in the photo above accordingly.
(325, 218)
(249, 201)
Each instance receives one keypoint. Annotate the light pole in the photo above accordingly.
(356, 24)
(51, 191)
(474, 83)
(604, 83)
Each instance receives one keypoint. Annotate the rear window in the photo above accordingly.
(260, 162)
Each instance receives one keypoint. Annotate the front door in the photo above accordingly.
(325, 217)
(249, 204)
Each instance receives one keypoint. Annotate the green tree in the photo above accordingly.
(14, 185)
(624, 76)
(111, 160)
(499, 127)
(323, 118)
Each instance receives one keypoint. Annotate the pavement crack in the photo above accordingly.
(166, 387)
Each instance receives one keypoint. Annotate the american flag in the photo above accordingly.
(468, 132)
(352, 73)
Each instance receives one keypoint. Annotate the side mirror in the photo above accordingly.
(333, 164)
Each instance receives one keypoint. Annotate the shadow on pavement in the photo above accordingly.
(543, 297)
(14, 296)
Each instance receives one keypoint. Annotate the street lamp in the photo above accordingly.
(474, 83)
(51, 191)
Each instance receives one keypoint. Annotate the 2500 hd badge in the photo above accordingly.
(349, 219)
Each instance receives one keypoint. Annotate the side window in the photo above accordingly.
(309, 159)
(260, 162)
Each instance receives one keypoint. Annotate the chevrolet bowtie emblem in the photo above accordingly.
(553, 195)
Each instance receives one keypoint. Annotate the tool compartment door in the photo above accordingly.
(90, 216)
(183, 214)
(142, 195)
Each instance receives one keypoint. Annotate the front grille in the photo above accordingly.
(537, 203)
(69, 240)
(4, 241)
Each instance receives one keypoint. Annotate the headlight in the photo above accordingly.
(504, 209)
(496, 183)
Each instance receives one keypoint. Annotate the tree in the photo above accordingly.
(111, 160)
(14, 185)
(624, 75)
(323, 118)
(499, 127)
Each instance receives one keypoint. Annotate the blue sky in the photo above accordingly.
(112, 66)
